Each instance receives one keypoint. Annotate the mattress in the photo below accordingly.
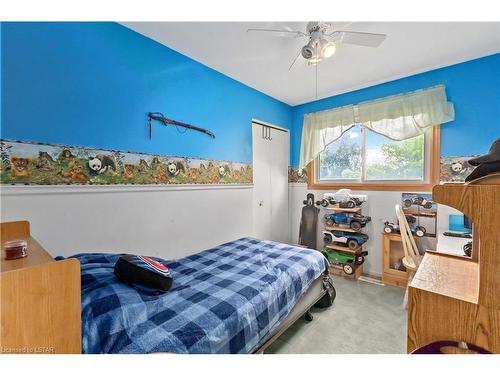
(228, 299)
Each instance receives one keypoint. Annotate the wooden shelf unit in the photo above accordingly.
(40, 299)
(457, 298)
(337, 208)
(345, 248)
(344, 229)
(337, 270)
(392, 250)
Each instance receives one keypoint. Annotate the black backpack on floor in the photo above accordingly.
(330, 293)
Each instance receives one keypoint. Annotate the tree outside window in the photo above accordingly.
(383, 159)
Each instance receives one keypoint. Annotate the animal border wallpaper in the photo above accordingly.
(30, 163)
(297, 175)
(455, 168)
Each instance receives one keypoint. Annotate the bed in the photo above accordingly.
(234, 298)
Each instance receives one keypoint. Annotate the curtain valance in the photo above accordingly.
(322, 128)
(397, 117)
(408, 115)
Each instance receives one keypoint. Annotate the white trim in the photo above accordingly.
(6, 190)
(297, 184)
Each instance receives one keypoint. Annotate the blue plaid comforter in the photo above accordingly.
(228, 299)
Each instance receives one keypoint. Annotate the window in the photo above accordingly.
(361, 158)
(341, 160)
(394, 160)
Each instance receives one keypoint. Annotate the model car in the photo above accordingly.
(353, 220)
(343, 198)
(417, 230)
(419, 201)
(352, 240)
(348, 262)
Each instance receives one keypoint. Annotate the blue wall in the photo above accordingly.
(92, 84)
(473, 87)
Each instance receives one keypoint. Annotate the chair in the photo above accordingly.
(412, 257)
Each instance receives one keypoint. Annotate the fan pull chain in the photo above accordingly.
(316, 70)
(317, 80)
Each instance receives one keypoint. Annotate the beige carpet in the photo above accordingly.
(365, 318)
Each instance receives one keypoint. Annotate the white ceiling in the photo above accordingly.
(261, 60)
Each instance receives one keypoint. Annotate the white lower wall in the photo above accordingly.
(165, 221)
(380, 207)
(168, 222)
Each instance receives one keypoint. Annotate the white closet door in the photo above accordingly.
(280, 151)
(261, 184)
(270, 192)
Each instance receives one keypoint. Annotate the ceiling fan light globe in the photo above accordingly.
(307, 52)
(328, 50)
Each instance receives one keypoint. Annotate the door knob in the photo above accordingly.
(261, 203)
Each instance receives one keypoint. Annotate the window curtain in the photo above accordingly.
(397, 117)
(405, 116)
(322, 128)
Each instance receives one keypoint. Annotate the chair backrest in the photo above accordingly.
(412, 255)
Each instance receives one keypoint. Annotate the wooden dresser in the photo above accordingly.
(457, 298)
(40, 299)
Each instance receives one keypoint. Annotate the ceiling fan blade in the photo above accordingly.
(360, 38)
(285, 33)
(294, 60)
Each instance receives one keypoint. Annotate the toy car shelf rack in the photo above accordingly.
(354, 270)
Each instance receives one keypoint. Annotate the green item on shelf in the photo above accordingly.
(336, 257)
(347, 262)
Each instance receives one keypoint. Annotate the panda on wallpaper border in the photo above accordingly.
(458, 167)
(223, 170)
(175, 167)
(101, 163)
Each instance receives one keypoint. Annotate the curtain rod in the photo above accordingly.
(401, 94)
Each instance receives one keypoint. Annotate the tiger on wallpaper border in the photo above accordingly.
(194, 174)
(213, 173)
(238, 173)
(45, 162)
(155, 162)
(161, 175)
(143, 166)
(129, 171)
(19, 167)
(76, 172)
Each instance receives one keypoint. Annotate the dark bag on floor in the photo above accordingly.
(330, 293)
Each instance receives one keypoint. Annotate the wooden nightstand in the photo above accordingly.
(40, 299)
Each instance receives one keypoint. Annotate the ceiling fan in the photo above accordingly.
(323, 40)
